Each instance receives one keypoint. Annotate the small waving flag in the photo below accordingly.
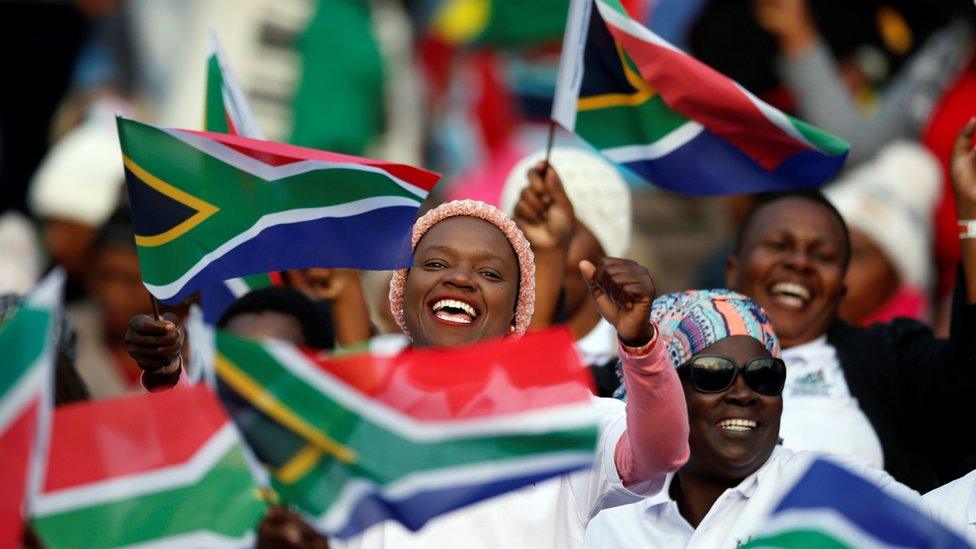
(227, 111)
(673, 120)
(167, 470)
(26, 394)
(832, 507)
(357, 440)
(208, 207)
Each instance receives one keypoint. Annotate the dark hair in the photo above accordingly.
(813, 195)
(287, 301)
(116, 232)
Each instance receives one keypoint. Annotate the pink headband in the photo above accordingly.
(491, 214)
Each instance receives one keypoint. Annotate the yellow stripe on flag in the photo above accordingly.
(267, 403)
(643, 93)
(204, 209)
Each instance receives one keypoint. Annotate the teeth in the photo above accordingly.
(737, 424)
(455, 304)
(792, 289)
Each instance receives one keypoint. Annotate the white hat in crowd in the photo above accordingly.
(600, 197)
(892, 198)
(80, 179)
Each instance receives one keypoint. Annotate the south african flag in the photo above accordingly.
(673, 120)
(208, 207)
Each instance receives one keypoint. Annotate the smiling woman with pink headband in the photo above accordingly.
(473, 279)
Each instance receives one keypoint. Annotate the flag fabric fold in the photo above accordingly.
(673, 120)
(165, 470)
(357, 440)
(209, 207)
(26, 395)
(228, 111)
(829, 506)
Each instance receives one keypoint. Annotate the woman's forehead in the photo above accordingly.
(795, 214)
(739, 348)
(465, 234)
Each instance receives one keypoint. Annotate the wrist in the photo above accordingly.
(965, 212)
(640, 340)
(640, 350)
(967, 228)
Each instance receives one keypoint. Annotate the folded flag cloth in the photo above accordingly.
(210, 207)
(27, 336)
(227, 111)
(167, 470)
(360, 439)
(829, 506)
(673, 120)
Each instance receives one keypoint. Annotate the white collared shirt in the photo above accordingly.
(819, 412)
(553, 513)
(734, 518)
(955, 505)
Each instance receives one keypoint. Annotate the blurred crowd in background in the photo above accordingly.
(464, 87)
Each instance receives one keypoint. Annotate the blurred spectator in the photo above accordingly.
(116, 294)
(887, 204)
(827, 92)
(20, 256)
(74, 191)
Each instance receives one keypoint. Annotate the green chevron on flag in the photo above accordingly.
(167, 470)
(228, 111)
(209, 207)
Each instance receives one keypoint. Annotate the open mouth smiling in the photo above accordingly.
(791, 295)
(738, 425)
(453, 311)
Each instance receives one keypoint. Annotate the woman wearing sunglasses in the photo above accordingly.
(727, 357)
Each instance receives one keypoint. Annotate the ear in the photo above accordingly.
(731, 271)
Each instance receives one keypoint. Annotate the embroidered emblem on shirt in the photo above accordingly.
(811, 384)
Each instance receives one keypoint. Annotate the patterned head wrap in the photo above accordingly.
(473, 208)
(688, 322)
(691, 321)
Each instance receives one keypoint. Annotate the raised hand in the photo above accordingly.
(623, 292)
(964, 172)
(544, 212)
(155, 345)
(323, 284)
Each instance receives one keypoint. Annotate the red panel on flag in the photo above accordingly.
(15, 454)
(94, 441)
(538, 370)
(709, 98)
(271, 152)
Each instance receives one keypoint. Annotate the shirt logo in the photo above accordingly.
(811, 384)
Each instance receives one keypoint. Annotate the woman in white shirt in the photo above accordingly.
(728, 360)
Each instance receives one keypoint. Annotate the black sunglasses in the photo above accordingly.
(715, 374)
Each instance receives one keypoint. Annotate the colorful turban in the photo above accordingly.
(473, 208)
(688, 322)
(691, 321)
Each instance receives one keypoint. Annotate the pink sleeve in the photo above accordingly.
(656, 440)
